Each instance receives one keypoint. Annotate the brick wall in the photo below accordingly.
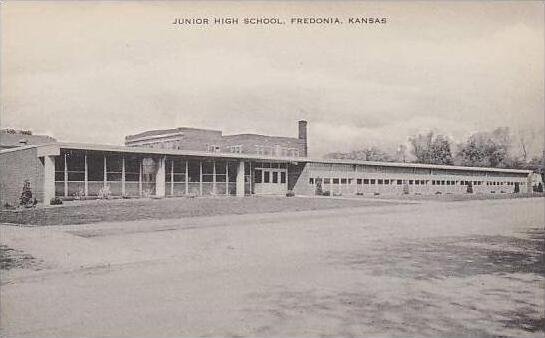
(15, 168)
(249, 142)
(200, 139)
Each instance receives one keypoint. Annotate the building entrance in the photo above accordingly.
(270, 181)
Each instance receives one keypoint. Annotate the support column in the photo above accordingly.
(214, 177)
(355, 180)
(65, 176)
(186, 178)
(528, 184)
(160, 178)
(122, 175)
(105, 173)
(200, 178)
(49, 179)
(172, 177)
(240, 179)
(227, 178)
(86, 177)
(251, 178)
(140, 178)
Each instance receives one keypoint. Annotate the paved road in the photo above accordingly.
(451, 269)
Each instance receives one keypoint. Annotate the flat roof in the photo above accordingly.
(54, 149)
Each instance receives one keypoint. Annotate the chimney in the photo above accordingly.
(303, 137)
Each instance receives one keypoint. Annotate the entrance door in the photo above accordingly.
(270, 181)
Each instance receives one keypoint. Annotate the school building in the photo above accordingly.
(199, 162)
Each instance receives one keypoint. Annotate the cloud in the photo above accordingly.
(91, 75)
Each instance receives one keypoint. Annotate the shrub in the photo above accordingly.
(79, 195)
(104, 192)
(8, 206)
(290, 193)
(319, 190)
(55, 201)
(147, 193)
(26, 198)
(325, 193)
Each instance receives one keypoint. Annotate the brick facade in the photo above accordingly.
(16, 167)
(264, 145)
(214, 141)
(13, 138)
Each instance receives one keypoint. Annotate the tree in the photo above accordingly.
(366, 154)
(487, 149)
(431, 149)
(401, 153)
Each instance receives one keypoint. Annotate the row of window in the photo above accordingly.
(175, 144)
(276, 150)
(269, 176)
(270, 165)
(212, 148)
(400, 182)
(235, 149)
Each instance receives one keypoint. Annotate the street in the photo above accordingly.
(466, 268)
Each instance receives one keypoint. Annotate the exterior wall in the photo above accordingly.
(137, 173)
(181, 138)
(274, 146)
(352, 179)
(298, 177)
(214, 141)
(15, 168)
(14, 138)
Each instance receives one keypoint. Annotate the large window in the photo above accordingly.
(220, 171)
(258, 173)
(76, 166)
(95, 167)
(194, 171)
(208, 171)
(132, 169)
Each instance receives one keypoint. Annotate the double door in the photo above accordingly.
(270, 181)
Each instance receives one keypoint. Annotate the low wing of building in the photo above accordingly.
(11, 138)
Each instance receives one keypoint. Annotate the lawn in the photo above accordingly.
(83, 212)
(459, 197)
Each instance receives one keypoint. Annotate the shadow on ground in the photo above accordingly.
(17, 259)
(481, 286)
(445, 257)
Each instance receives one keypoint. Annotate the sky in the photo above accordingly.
(94, 72)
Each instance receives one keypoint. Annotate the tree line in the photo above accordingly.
(481, 149)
